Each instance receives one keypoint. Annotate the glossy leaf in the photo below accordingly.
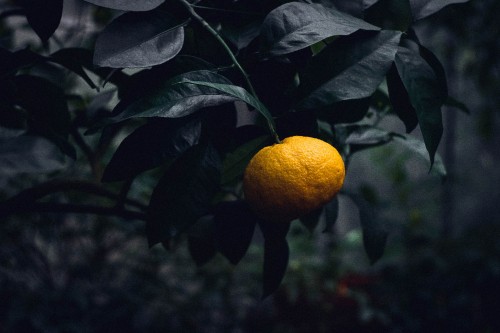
(367, 135)
(44, 101)
(234, 229)
(296, 25)
(352, 67)
(146, 81)
(311, 220)
(374, 229)
(43, 16)
(390, 14)
(139, 39)
(361, 137)
(347, 111)
(129, 5)
(71, 59)
(436, 66)
(400, 100)
(201, 240)
(423, 8)
(150, 146)
(276, 254)
(175, 98)
(237, 92)
(426, 95)
(353, 7)
(183, 194)
(11, 62)
(241, 37)
(418, 148)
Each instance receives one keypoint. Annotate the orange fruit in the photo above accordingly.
(290, 179)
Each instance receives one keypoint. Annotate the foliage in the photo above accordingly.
(173, 82)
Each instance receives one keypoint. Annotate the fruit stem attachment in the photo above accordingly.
(213, 32)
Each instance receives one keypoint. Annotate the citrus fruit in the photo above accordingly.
(293, 178)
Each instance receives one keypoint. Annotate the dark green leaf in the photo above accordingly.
(11, 62)
(44, 101)
(273, 231)
(174, 99)
(236, 161)
(360, 137)
(241, 37)
(276, 254)
(418, 148)
(426, 95)
(296, 25)
(351, 67)
(145, 81)
(234, 229)
(183, 194)
(131, 5)
(354, 7)
(43, 16)
(389, 14)
(311, 220)
(201, 240)
(348, 111)
(400, 100)
(331, 214)
(424, 8)
(436, 66)
(139, 39)
(46, 106)
(375, 231)
(237, 92)
(151, 145)
(71, 59)
(302, 123)
(365, 136)
(274, 80)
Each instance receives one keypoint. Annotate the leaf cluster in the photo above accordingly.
(207, 84)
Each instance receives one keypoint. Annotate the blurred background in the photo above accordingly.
(440, 271)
